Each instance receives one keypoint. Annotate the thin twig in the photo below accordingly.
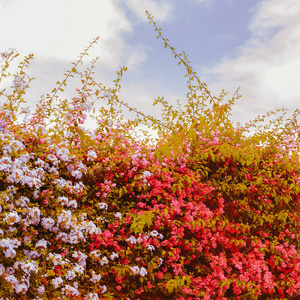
(178, 55)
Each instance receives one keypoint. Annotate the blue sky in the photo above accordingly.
(254, 44)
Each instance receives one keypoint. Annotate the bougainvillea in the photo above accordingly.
(206, 211)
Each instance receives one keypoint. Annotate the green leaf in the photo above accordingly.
(139, 221)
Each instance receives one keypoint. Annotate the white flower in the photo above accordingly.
(23, 201)
(54, 170)
(55, 229)
(95, 278)
(48, 223)
(27, 239)
(21, 288)
(19, 83)
(91, 228)
(79, 269)
(10, 270)
(77, 174)
(52, 158)
(135, 270)
(63, 237)
(40, 162)
(41, 243)
(57, 282)
(34, 215)
(160, 261)
(63, 154)
(5, 164)
(73, 204)
(12, 280)
(131, 240)
(154, 233)
(64, 200)
(2, 269)
(29, 267)
(103, 261)
(113, 256)
(24, 158)
(16, 175)
(31, 254)
(41, 289)
(12, 218)
(16, 145)
(10, 243)
(118, 215)
(36, 194)
(70, 291)
(70, 275)
(151, 247)
(145, 175)
(95, 254)
(10, 51)
(104, 289)
(64, 219)
(80, 166)
(91, 154)
(143, 272)
(79, 255)
(75, 236)
(102, 205)
(91, 296)
(10, 252)
(12, 229)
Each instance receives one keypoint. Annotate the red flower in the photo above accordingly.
(160, 275)
(125, 261)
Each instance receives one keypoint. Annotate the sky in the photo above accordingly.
(251, 44)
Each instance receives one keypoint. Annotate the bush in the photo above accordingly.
(207, 211)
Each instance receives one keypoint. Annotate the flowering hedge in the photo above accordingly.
(206, 212)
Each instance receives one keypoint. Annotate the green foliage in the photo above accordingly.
(208, 210)
(139, 222)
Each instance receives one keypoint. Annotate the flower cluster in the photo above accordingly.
(209, 213)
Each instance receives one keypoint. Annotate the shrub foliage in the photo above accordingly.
(208, 210)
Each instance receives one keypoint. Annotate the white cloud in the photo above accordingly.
(267, 68)
(57, 31)
(61, 28)
(137, 56)
(160, 9)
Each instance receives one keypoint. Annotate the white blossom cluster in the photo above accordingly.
(63, 154)
(19, 169)
(66, 202)
(24, 220)
(155, 233)
(9, 246)
(145, 175)
(20, 285)
(20, 82)
(141, 238)
(9, 52)
(91, 155)
(76, 188)
(141, 271)
(102, 205)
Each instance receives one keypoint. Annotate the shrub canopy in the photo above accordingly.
(208, 210)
